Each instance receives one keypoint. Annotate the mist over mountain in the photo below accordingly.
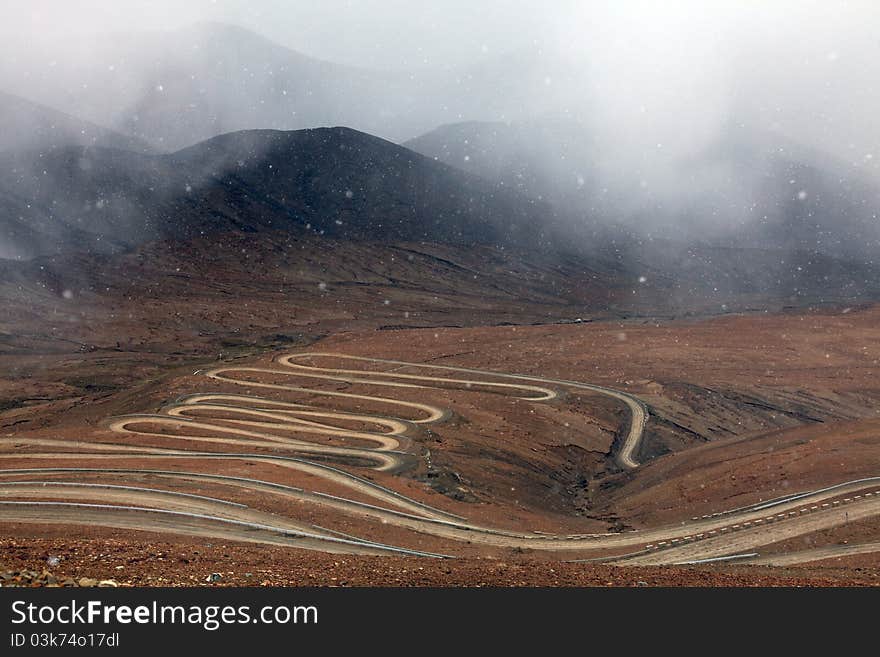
(175, 88)
(552, 158)
(747, 187)
(27, 125)
(333, 181)
(650, 137)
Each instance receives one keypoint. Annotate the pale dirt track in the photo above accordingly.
(817, 554)
(381, 442)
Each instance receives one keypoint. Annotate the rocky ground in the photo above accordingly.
(148, 563)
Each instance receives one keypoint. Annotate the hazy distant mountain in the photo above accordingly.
(746, 188)
(360, 191)
(777, 193)
(180, 87)
(337, 182)
(27, 125)
(552, 158)
(176, 88)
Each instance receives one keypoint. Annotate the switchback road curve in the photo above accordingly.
(328, 442)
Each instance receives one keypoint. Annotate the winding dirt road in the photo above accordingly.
(305, 439)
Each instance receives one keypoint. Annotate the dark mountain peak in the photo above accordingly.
(264, 140)
(332, 181)
(341, 150)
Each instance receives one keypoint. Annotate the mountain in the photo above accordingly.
(549, 158)
(176, 88)
(37, 127)
(745, 188)
(332, 181)
(179, 87)
(793, 197)
(344, 185)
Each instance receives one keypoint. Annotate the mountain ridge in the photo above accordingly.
(335, 181)
(34, 126)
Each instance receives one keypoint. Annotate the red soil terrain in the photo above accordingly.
(743, 409)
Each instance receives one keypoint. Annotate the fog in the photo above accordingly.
(680, 118)
(375, 33)
(807, 68)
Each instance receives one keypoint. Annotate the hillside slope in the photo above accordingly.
(332, 181)
(747, 188)
(36, 127)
